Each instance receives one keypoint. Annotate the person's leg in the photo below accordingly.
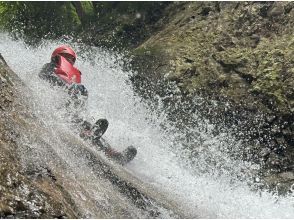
(87, 130)
(99, 128)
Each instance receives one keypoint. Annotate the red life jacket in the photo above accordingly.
(67, 72)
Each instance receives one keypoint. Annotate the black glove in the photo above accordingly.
(77, 90)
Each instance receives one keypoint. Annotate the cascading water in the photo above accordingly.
(209, 185)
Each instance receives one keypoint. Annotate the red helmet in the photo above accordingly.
(66, 52)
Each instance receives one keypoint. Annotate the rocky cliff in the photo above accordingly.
(238, 57)
(24, 193)
(230, 61)
(49, 172)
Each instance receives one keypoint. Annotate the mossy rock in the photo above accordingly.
(238, 55)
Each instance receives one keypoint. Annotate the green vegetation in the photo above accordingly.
(121, 24)
(236, 51)
(33, 20)
(239, 54)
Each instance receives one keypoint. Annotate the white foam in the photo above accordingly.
(161, 160)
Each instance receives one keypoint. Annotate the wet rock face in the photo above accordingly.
(37, 182)
(21, 196)
(238, 54)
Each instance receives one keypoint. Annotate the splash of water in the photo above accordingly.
(207, 185)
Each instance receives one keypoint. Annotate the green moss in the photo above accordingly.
(152, 50)
(274, 70)
(69, 14)
(72, 15)
(37, 20)
(88, 8)
(210, 53)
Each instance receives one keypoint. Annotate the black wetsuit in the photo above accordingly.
(47, 73)
(78, 95)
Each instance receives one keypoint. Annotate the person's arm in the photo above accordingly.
(47, 73)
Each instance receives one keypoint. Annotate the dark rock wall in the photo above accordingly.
(41, 178)
(236, 54)
(23, 196)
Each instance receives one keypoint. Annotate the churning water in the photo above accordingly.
(211, 185)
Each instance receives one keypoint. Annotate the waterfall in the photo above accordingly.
(209, 185)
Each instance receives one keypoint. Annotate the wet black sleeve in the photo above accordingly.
(47, 73)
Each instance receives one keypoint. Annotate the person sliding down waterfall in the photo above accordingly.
(61, 72)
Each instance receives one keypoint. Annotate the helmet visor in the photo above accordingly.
(69, 57)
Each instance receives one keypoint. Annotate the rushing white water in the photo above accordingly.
(215, 192)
